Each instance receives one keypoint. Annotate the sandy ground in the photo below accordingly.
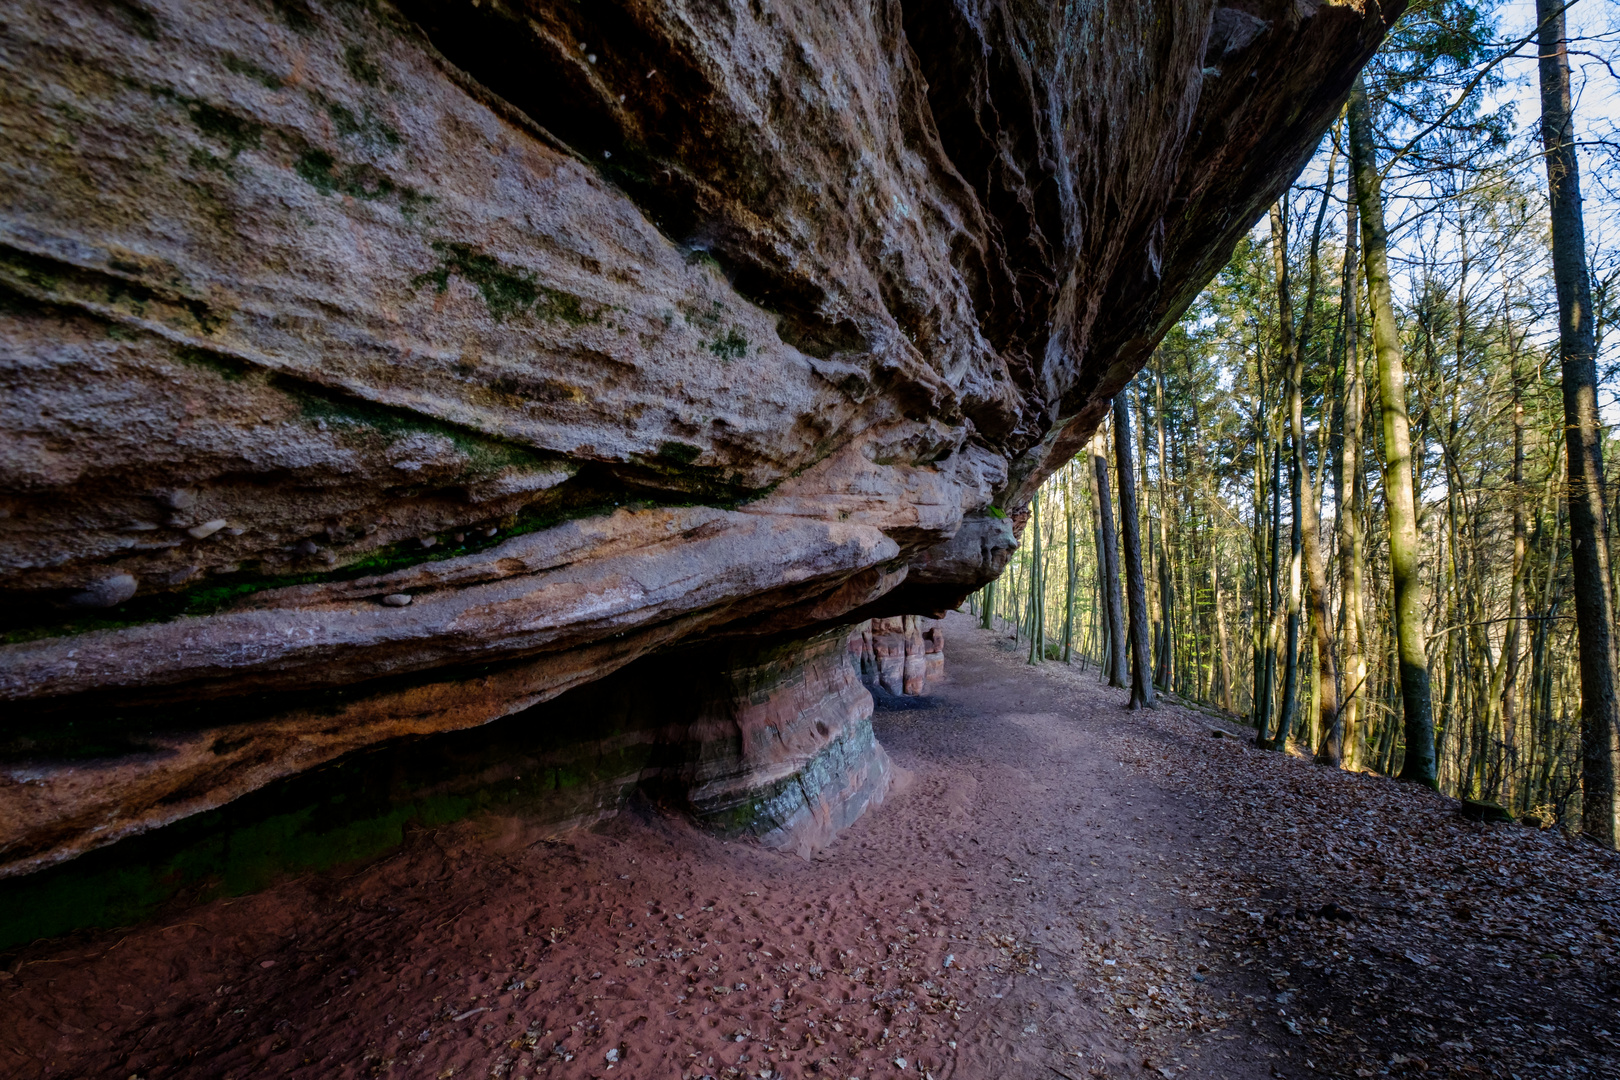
(1037, 897)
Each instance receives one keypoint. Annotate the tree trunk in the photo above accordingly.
(1352, 549)
(1275, 610)
(1036, 610)
(1286, 352)
(1399, 497)
(1583, 432)
(1148, 526)
(1135, 582)
(1114, 606)
(1514, 635)
(1290, 697)
(1259, 634)
(1165, 664)
(1352, 553)
(1329, 752)
(1099, 605)
(1069, 568)
(1220, 633)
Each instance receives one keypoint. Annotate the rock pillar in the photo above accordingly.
(899, 655)
(782, 748)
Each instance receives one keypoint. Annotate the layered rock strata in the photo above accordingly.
(376, 370)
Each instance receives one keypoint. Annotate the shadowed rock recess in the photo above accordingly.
(373, 371)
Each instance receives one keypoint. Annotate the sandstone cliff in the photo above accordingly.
(382, 369)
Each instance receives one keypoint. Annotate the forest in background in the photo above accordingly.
(1407, 289)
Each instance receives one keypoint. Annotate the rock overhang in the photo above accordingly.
(578, 332)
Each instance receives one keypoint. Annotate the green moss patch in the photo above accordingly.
(701, 315)
(733, 346)
(507, 291)
(361, 66)
(680, 453)
(236, 132)
(365, 127)
(268, 79)
(65, 283)
(322, 172)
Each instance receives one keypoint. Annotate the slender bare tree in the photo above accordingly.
(1108, 566)
(1135, 582)
(1399, 495)
(1588, 519)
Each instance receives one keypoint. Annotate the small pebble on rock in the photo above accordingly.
(398, 599)
(612, 1055)
(429, 541)
(206, 529)
(108, 592)
(306, 547)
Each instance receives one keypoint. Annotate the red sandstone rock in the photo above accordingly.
(593, 329)
(898, 654)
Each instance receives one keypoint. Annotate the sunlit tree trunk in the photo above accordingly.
(1583, 432)
(1399, 497)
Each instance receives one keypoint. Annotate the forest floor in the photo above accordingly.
(1054, 888)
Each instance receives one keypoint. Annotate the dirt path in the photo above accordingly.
(1053, 889)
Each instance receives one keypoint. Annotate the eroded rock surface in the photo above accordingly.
(373, 370)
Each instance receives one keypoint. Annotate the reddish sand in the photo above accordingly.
(1016, 908)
